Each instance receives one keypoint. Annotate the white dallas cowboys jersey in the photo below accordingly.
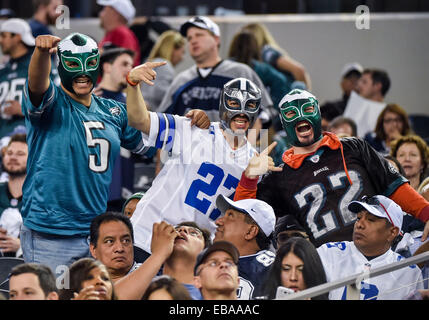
(201, 166)
(343, 259)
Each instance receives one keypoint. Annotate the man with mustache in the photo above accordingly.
(321, 174)
(378, 223)
(14, 161)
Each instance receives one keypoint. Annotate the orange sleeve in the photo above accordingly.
(411, 202)
(246, 188)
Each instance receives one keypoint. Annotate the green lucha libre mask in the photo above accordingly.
(77, 56)
(295, 108)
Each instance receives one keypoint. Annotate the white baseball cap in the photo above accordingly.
(260, 211)
(21, 27)
(380, 206)
(124, 7)
(202, 23)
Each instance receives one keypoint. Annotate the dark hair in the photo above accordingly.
(177, 290)
(94, 229)
(78, 273)
(338, 121)
(313, 272)
(109, 55)
(44, 274)
(38, 3)
(18, 137)
(352, 74)
(397, 109)
(244, 48)
(379, 76)
(206, 233)
(262, 240)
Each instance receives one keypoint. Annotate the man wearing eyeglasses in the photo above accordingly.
(216, 271)
(174, 253)
(191, 240)
(378, 223)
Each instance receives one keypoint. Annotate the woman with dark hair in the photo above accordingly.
(88, 280)
(166, 288)
(392, 123)
(244, 48)
(297, 266)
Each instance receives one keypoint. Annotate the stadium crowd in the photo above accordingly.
(261, 190)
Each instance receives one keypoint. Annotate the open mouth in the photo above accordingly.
(179, 238)
(240, 122)
(303, 127)
(82, 81)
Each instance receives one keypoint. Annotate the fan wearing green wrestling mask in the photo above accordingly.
(78, 63)
(300, 117)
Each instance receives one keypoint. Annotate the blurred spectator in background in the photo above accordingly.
(412, 153)
(366, 105)
(373, 84)
(287, 227)
(343, 127)
(14, 164)
(7, 13)
(115, 64)
(114, 19)
(17, 42)
(392, 123)
(131, 203)
(147, 31)
(273, 54)
(200, 85)
(244, 48)
(169, 47)
(45, 15)
(349, 77)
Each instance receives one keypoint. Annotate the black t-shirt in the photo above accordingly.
(318, 192)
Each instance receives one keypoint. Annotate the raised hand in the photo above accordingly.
(163, 235)
(47, 43)
(145, 72)
(87, 293)
(261, 163)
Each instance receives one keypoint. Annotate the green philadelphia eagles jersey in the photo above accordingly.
(13, 75)
(71, 155)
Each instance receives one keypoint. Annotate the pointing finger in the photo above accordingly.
(154, 64)
(269, 148)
